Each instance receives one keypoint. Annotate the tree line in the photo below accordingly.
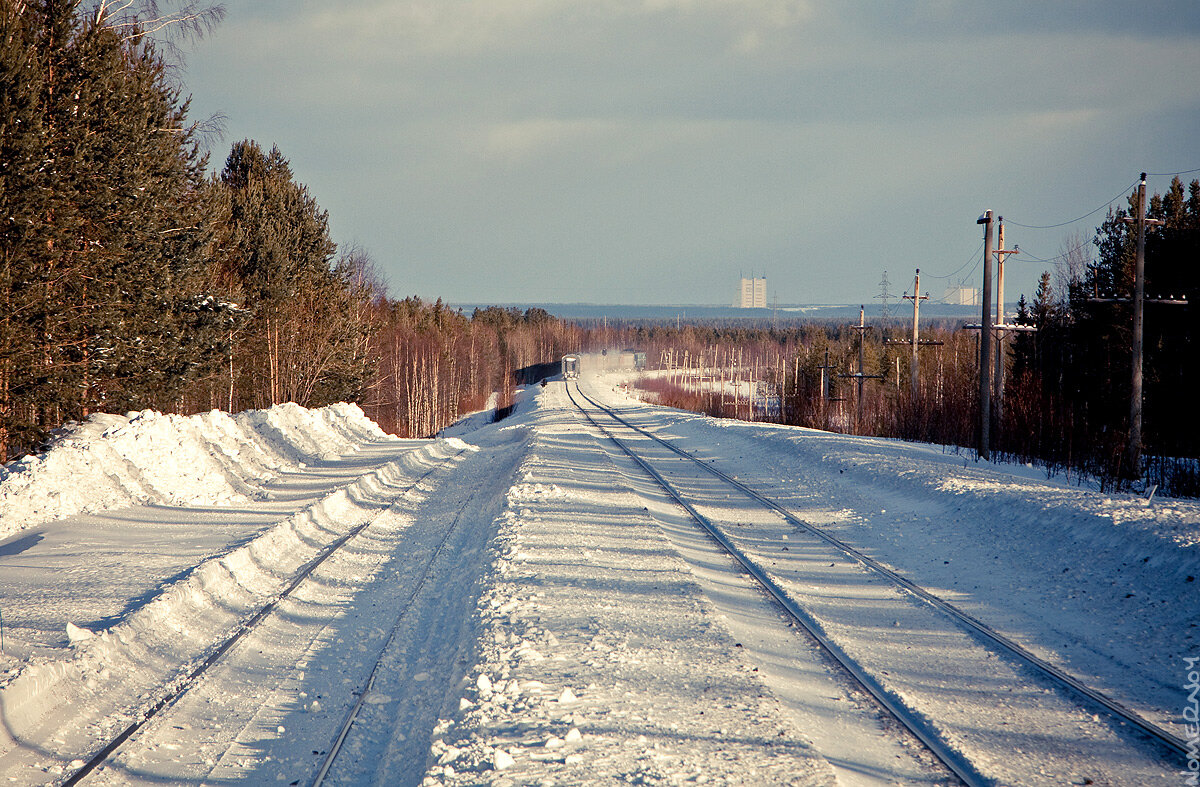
(1065, 403)
(1072, 377)
(132, 278)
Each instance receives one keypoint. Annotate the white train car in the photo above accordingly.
(614, 359)
(570, 367)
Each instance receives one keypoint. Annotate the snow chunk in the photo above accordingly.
(502, 759)
(78, 634)
(459, 445)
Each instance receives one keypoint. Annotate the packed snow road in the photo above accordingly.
(520, 604)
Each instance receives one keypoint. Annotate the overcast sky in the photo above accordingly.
(653, 151)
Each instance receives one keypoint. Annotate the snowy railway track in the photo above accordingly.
(177, 688)
(928, 731)
(365, 690)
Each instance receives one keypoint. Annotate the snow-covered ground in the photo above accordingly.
(212, 459)
(542, 615)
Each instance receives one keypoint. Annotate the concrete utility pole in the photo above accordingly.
(914, 365)
(1001, 319)
(1133, 452)
(862, 329)
(985, 342)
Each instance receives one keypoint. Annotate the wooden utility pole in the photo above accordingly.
(985, 342)
(1133, 452)
(825, 369)
(862, 335)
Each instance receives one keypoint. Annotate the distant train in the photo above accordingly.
(570, 367)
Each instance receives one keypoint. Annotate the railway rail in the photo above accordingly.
(909, 719)
(917, 723)
(365, 689)
(181, 685)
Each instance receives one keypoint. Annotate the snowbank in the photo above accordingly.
(106, 672)
(213, 459)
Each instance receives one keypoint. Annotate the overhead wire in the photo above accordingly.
(973, 259)
(1169, 174)
(1057, 259)
(1118, 195)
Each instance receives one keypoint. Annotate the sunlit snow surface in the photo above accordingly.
(542, 615)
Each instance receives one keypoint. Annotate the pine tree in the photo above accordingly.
(1172, 332)
(134, 259)
(22, 191)
(282, 255)
(1022, 344)
(106, 228)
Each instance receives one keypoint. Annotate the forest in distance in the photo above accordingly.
(134, 275)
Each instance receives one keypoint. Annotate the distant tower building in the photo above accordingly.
(753, 293)
(962, 295)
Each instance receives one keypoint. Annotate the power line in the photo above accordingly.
(1169, 174)
(1057, 260)
(1034, 258)
(960, 267)
(1119, 194)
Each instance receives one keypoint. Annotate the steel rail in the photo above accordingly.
(182, 685)
(352, 716)
(915, 724)
(1055, 674)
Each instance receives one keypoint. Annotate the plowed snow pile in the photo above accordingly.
(208, 459)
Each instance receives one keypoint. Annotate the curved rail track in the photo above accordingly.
(181, 685)
(912, 721)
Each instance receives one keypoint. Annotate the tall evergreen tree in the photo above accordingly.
(1172, 339)
(132, 262)
(106, 230)
(22, 210)
(297, 345)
